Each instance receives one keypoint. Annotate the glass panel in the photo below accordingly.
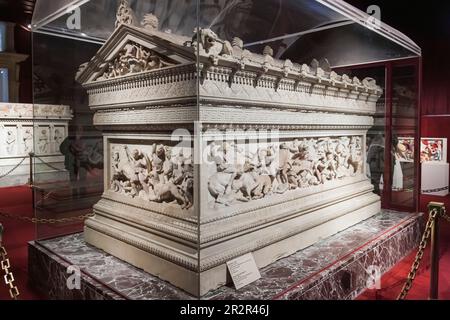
(148, 112)
(404, 134)
(376, 136)
(308, 27)
(367, 46)
(4, 85)
(69, 170)
(45, 10)
(2, 36)
(68, 162)
(289, 27)
(85, 23)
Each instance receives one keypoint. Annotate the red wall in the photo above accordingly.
(436, 78)
(436, 127)
(436, 99)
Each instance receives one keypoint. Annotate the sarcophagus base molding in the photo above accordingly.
(172, 254)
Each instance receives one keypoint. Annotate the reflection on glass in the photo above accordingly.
(375, 160)
(68, 168)
(376, 136)
(2, 36)
(404, 130)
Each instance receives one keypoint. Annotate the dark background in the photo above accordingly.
(428, 24)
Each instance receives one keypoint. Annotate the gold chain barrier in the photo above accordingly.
(35, 220)
(6, 266)
(4, 260)
(436, 211)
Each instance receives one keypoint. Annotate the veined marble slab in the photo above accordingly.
(321, 271)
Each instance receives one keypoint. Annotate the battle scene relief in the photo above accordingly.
(240, 173)
(156, 173)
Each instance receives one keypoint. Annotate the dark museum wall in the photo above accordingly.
(428, 24)
(20, 12)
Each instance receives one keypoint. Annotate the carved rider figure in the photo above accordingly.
(139, 165)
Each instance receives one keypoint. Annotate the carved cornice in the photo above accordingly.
(224, 118)
(224, 73)
(156, 77)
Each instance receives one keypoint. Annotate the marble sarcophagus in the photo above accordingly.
(38, 129)
(213, 152)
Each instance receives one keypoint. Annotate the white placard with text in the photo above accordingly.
(243, 271)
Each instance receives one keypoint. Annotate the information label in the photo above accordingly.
(243, 271)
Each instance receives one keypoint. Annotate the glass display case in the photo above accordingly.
(180, 135)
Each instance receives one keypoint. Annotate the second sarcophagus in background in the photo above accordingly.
(38, 129)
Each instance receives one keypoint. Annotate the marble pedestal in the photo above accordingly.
(333, 269)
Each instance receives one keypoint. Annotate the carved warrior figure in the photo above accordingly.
(133, 58)
(43, 141)
(125, 14)
(155, 176)
(10, 142)
(58, 138)
(271, 170)
(27, 141)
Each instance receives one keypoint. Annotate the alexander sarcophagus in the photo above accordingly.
(213, 152)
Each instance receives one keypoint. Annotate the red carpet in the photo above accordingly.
(393, 281)
(17, 234)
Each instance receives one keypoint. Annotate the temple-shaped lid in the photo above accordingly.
(299, 30)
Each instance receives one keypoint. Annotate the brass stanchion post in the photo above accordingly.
(434, 251)
(31, 179)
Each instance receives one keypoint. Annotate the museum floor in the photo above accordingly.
(18, 201)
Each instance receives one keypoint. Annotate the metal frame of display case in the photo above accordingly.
(378, 57)
(389, 126)
(412, 56)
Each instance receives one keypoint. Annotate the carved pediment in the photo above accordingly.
(134, 58)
